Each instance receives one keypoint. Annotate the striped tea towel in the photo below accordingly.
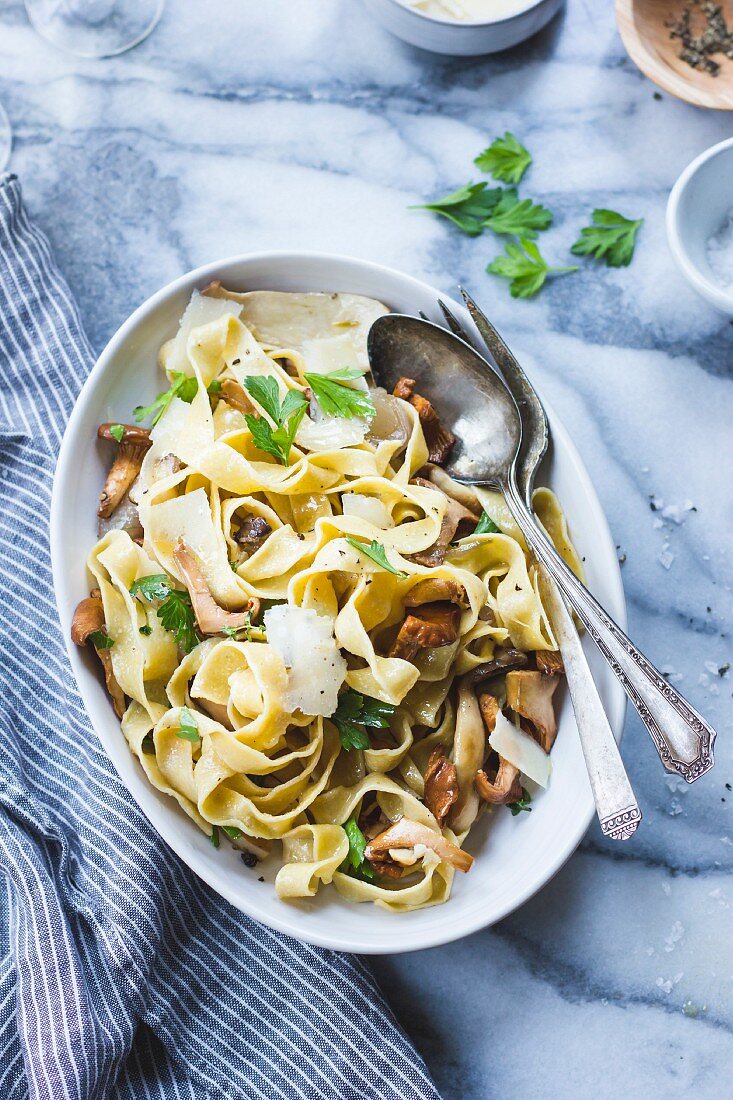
(121, 974)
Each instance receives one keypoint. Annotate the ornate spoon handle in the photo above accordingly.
(683, 739)
(618, 811)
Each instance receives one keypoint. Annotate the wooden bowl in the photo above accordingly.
(641, 24)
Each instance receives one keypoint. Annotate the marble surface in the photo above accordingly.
(248, 125)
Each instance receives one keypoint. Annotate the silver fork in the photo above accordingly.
(618, 811)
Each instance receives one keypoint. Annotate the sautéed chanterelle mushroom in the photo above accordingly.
(311, 634)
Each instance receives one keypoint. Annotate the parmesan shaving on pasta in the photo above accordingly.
(316, 669)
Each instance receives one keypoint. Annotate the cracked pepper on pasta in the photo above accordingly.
(318, 643)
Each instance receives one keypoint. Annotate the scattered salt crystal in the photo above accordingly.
(676, 783)
(726, 840)
(666, 888)
(650, 951)
(655, 503)
(676, 933)
(666, 556)
(677, 513)
(657, 523)
(674, 808)
(719, 252)
(668, 984)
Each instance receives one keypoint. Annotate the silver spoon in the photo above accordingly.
(618, 811)
(476, 405)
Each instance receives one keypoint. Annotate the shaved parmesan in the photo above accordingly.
(367, 508)
(200, 311)
(316, 670)
(330, 433)
(327, 355)
(521, 750)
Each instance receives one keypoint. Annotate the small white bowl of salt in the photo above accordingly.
(700, 225)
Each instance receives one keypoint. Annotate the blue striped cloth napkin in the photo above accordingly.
(121, 974)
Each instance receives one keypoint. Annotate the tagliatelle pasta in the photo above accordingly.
(308, 630)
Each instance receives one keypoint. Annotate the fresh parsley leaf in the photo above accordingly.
(335, 398)
(266, 392)
(175, 611)
(287, 416)
(214, 838)
(505, 159)
(518, 217)
(233, 631)
(183, 386)
(232, 831)
(176, 614)
(100, 639)
(188, 727)
(526, 269)
(146, 630)
(523, 804)
(355, 864)
(468, 207)
(155, 586)
(117, 431)
(611, 237)
(376, 552)
(486, 525)
(354, 711)
(214, 386)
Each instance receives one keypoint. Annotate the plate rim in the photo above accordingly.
(146, 796)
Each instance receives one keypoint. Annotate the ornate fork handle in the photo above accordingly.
(683, 739)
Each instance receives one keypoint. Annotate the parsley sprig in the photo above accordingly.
(505, 159)
(376, 552)
(335, 398)
(117, 431)
(611, 237)
(182, 385)
(469, 207)
(525, 268)
(355, 712)
(175, 612)
(286, 416)
(355, 864)
(100, 639)
(517, 217)
(486, 526)
(188, 727)
(522, 804)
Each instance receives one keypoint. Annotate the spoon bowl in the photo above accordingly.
(451, 375)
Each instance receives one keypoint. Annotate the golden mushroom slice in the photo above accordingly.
(88, 626)
(455, 514)
(529, 694)
(132, 444)
(441, 784)
(210, 617)
(413, 838)
(431, 626)
(438, 439)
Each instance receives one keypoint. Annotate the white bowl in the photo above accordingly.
(515, 856)
(463, 39)
(698, 206)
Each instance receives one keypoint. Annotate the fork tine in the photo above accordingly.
(452, 321)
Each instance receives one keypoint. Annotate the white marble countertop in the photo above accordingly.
(238, 126)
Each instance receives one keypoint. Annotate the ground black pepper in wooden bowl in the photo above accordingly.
(697, 45)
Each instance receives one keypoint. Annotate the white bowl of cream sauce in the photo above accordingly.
(464, 28)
